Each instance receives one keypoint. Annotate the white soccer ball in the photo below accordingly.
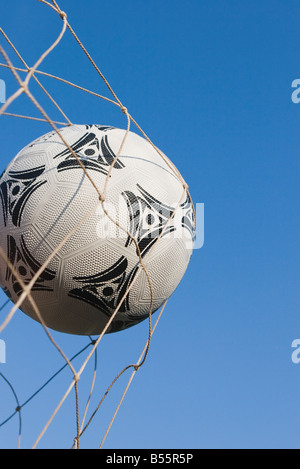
(48, 202)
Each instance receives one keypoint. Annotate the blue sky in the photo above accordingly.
(210, 83)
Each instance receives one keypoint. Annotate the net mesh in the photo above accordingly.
(35, 73)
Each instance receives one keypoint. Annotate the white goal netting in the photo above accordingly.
(84, 409)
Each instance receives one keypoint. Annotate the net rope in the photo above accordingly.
(34, 73)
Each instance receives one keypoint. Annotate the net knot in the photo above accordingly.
(76, 377)
(63, 15)
(24, 86)
(124, 109)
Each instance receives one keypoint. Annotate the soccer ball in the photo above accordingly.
(119, 230)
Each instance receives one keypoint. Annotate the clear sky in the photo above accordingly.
(210, 83)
